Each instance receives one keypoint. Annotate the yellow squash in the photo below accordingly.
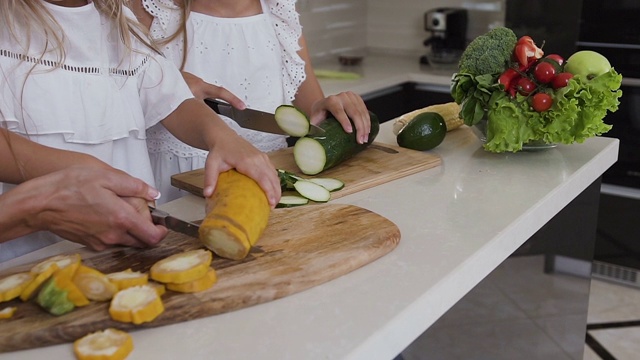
(201, 284)
(237, 214)
(137, 304)
(110, 344)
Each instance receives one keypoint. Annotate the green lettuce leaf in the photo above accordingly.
(576, 114)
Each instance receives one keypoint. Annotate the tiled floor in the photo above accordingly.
(503, 318)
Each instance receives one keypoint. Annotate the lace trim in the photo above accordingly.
(79, 69)
(286, 21)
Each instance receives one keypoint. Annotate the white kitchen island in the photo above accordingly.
(458, 221)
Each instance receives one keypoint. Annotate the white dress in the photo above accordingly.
(254, 57)
(99, 101)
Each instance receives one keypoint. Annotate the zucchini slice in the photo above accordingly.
(312, 191)
(329, 183)
(292, 121)
(287, 201)
(314, 154)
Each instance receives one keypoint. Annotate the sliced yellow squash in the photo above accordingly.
(128, 278)
(109, 344)
(183, 267)
(201, 284)
(13, 285)
(137, 304)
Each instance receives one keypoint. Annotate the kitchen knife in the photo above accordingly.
(254, 119)
(160, 217)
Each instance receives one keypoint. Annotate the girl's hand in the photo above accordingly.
(344, 106)
(236, 153)
(203, 90)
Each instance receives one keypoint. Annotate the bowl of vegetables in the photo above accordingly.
(519, 98)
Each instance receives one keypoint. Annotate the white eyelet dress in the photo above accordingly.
(98, 101)
(254, 57)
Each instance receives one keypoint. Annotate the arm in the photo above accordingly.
(343, 106)
(72, 195)
(206, 130)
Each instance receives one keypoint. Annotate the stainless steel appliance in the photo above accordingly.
(448, 28)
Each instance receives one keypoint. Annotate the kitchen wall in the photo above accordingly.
(332, 27)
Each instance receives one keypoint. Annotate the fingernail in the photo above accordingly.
(154, 193)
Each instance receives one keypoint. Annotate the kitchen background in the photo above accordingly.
(332, 27)
(362, 27)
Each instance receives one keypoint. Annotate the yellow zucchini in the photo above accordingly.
(13, 285)
(137, 304)
(182, 267)
(8, 312)
(237, 214)
(94, 284)
(109, 344)
(201, 284)
(128, 278)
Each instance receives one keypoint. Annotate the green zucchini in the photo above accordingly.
(314, 154)
(287, 201)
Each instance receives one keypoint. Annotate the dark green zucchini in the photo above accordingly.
(314, 154)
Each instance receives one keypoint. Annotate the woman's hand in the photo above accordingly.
(91, 205)
(344, 106)
(203, 90)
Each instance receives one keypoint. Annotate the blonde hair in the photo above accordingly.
(33, 17)
(185, 6)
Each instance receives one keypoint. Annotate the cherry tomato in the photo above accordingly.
(525, 86)
(544, 72)
(541, 102)
(561, 80)
(555, 57)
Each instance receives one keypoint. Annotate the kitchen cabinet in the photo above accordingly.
(394, 101)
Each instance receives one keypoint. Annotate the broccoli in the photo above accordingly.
(489, 53)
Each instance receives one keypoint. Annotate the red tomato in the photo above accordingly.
(555, 57)
(541, 102)
(544, 72)
(525, 86)
(561, 80)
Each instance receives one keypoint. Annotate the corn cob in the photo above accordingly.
(450, 112)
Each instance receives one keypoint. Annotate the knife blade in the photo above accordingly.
(254, 119)
(160, 217)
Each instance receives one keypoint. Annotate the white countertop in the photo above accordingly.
(458, 222)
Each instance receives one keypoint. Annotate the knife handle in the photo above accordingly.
(219, 107)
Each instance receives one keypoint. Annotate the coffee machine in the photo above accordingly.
(448, 28)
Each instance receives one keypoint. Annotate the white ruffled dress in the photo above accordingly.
(254, 57)
(99, 101)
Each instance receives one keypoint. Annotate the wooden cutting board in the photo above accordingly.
(378, 164)
(301, 248)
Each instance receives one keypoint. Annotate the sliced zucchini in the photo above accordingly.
(292, 121)
(312, 191)
(329, 183)
(287, 201)
(287, 179)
